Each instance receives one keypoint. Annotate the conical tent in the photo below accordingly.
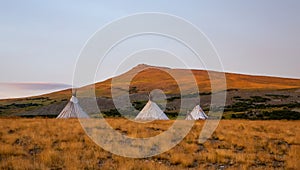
(196, 114)
(72, 110)
(151, 112)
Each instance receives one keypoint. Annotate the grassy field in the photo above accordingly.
(236, 144)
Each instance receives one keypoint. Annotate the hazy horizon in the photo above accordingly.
(20, 90)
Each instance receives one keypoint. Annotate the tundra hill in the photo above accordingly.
(149, 77)
(144, 78)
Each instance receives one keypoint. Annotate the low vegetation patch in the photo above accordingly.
(278, 96)
(268, 115)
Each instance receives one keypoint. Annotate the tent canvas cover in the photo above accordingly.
(151, 111)
(72, 110)
(196, 114)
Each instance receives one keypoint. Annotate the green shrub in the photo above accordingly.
(282, 114)
(111, 113)
(258, 99)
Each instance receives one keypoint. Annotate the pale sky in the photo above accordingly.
(41, 40)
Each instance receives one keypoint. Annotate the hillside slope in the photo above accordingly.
(144, 78)
(150, 77)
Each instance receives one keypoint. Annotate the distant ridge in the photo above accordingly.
(145, 78)
(153, 77)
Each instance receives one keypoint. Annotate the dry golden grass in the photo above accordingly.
(236, 144)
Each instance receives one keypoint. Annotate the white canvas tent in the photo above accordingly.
(196, 114)
(72, 110)
(151, 112)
